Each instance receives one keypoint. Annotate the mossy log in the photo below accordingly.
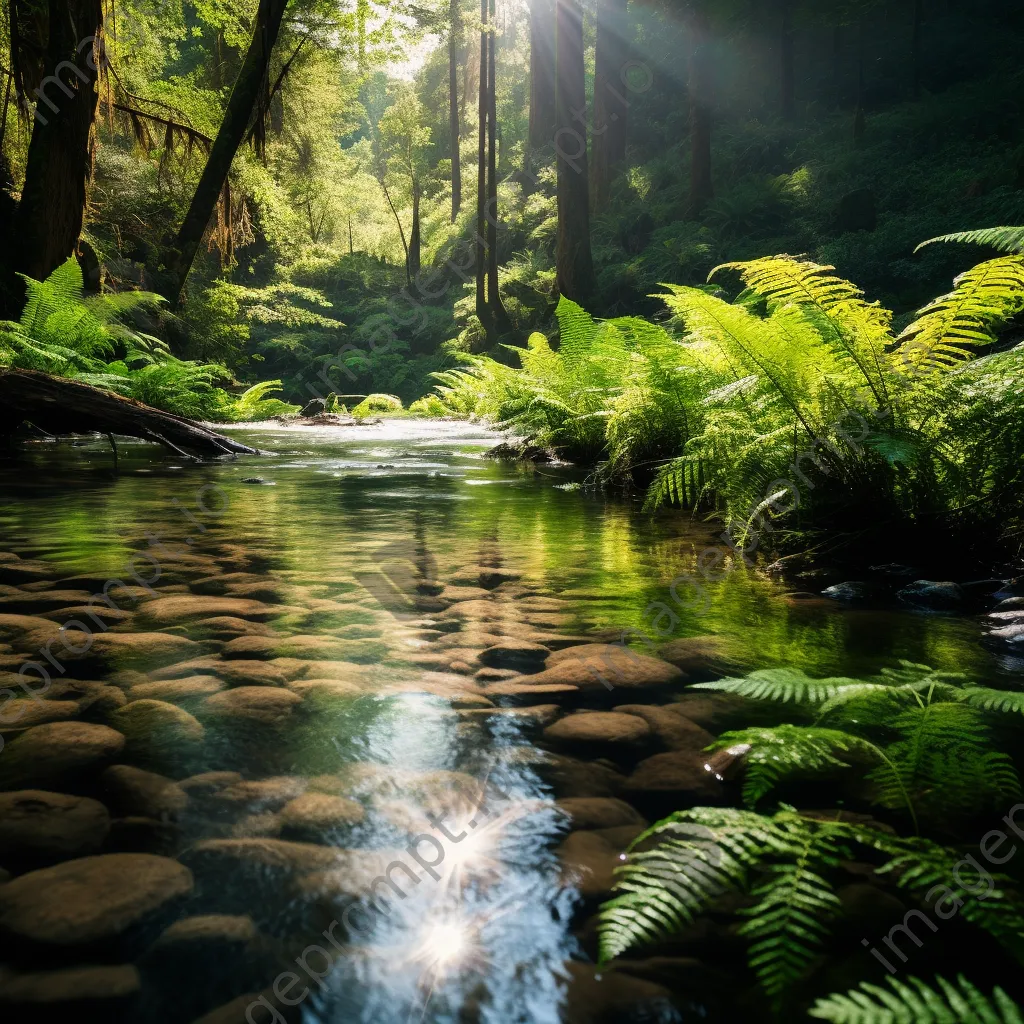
(60, 406)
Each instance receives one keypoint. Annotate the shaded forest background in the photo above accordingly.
(306, 182)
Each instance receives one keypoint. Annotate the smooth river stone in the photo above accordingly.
(703, 658)
(38, 827)
(112, 650)
(675, 731)
(589, 862)
(319, 812)
(130, 791)
(229, 627)
(598, 728)
(92, 900)
(59, 751)
(485, 576)
(15, 628)
(266, 705)
(599, 812)
(166, 611)
(174, 691)
(217, 586)
(517, 654)
(156, 730)
(16, 715)
(676, 780)
(595, 665)
(26, 603)
(102, 994)
(260, 794)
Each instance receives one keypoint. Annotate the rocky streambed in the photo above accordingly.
(369, 748)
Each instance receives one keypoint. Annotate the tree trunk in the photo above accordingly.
(482, 311)
(61, 406)
(700, 90)
(788, 61)
(454, 35)
(414, 234)
(542, 78)
(610, 105)
(59, 163)
(499, 316)
(244, 97)
(573, 259)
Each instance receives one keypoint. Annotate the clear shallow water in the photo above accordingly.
(356, 531)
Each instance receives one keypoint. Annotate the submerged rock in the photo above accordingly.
(599, 812)
(157, 731)
(589, 862)
(51, 753)
(90, 901)
(263, 704)
(86, 995)
(133, 792)
(939, 596)
(41, 828)
(589, 729)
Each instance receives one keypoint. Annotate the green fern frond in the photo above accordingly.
(915, 1002)
(1004, 239)
(946, 330)
(777, 752)
(783, 280)
(788, 685)
(1006, 701)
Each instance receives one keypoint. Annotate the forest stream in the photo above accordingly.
(318, 686)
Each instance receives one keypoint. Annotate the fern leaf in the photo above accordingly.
(1004, 239)
(1006, 701)
(777, 752)
(947, 329)
(788, 685)
(915, 1002)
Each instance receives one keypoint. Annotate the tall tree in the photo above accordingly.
(499, 316)
(454, 42)
(573, 259)
(611, 108)
(542, 78)
(489, 308)
(700, 87)
(249, 86)
(59, 163)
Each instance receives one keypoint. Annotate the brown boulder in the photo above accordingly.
(134, 792)
(41, 828)
(60, 750)
(266, 705)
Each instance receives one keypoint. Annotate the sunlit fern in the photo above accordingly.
(915, 1002)
(947, 330)
(1006, 239)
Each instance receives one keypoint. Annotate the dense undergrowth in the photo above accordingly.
(793, 406)
(915, 748)
(92, 339)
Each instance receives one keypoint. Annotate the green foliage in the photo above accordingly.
(1004, 239)
(377, 404)
(64, 332)
(679, 866)
(915, 1002)
(926, 734)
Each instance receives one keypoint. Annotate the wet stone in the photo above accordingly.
(131, 791)
(47, 754)
(41, 828)
(98, 994)
(91, 901)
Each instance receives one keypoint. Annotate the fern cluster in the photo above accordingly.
(923, 735)
(680, 866)
(799, 382)
(66, 333)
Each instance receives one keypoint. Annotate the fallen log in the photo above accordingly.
(61, 406)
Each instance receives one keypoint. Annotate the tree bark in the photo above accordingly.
(244, 97)
(414, 233)
(61, 406)
(787, 43)
(454, 35)
(499, 316)
(573, 258)
(700, 90)
(482, 311)
(611, 107)
(542, 78)
(59, 163)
